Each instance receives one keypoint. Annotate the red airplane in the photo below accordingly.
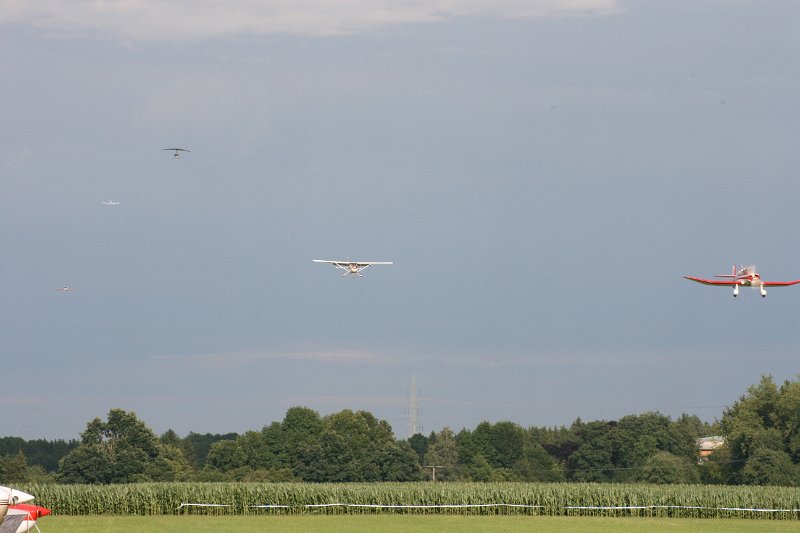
(31, 512)
(746, 277)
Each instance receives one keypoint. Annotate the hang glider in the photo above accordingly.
(745, 277)
(65, 288)
(177, 151)
(110, 203)
(353, 268)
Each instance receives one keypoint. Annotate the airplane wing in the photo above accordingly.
(780, 283)
(348, 262)
(712, 281)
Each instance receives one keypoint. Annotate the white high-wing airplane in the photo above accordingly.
(353, 268)
(177, 151)
(110, 203)
(746, 277)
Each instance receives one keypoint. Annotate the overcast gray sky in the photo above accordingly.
(542, 173)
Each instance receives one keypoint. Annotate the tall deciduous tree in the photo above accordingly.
(443, 454)
(787, 413)
(592, 461)
(535, 464)
(121, 450)
(356, 447)
(664, 467)
(419, 443)
(770, 467)
(13, 468)
(762, 435)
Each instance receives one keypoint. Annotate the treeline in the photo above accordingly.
(649, 447)
(40, 456)
(762, 432)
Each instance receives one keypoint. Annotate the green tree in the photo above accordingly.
(356, 447)
(479, 441)
(762, 434)
(685, 432)
(329, 460)
(37, 474)
(634, 439)
(11, 445)
(507, 440)
(560, 443)
(195, 446)
(399, 462)
(592, 461)
(226, 455)
(300, 428)
(88, 463)
(170, 438)
(535, 464)
(747, 426)
(38, 452)
(664, 467)
(500, 446)
(443, 453)
(479, 469)
(13, 468)
(419, 443)
(787, 418)
(770, 467)
(717, 469)
(258, 453)
(121, 450)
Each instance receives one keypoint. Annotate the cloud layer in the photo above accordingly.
(158, 20)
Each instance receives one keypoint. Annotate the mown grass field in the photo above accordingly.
(402, 523)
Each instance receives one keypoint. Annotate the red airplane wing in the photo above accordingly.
(780, 283)
(713, 281)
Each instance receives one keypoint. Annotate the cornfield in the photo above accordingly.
(586, 499)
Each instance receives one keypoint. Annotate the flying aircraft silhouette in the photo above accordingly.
(745, 277)
(353, 268)
(177, 151)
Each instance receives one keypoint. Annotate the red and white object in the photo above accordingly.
(31, 512)
(745, 277)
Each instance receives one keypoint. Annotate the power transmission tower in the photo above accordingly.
(413, 409)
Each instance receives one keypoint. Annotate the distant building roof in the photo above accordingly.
(709, 444)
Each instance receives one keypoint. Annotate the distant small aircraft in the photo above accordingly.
(65, 289)
(177, 151)
(353, 268)
(110, 203)
(746, 277)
